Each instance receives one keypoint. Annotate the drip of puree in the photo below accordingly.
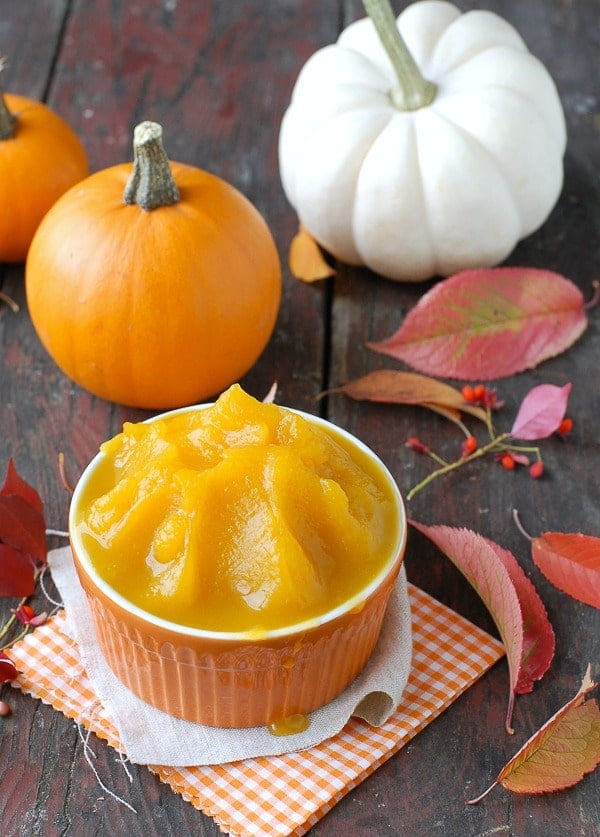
(242, 516)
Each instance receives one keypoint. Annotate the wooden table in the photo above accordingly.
(218, 76)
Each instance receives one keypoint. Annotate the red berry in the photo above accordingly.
(565, 426)
(507, 461)
(24, 614)
(416, 444)
(479, 392)
(469, 445)
(467, 393)
(536, 470)
(490, 400)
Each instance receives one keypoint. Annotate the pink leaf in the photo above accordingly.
(538, 634)
(484, 324)
(541, 412)
(520, 458)
(510, 598)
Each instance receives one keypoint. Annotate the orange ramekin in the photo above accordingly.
(229, 679)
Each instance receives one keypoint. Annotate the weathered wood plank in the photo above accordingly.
(29, 49)
(466, 746)
(215, 75)
(219, 76)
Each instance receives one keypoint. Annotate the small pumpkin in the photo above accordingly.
(40, 158)
(155, 284)
(425, 145)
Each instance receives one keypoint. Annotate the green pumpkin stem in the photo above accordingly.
(7, 119)
(151, 183)
(412, 91)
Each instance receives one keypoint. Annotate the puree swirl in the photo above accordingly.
(242, 516)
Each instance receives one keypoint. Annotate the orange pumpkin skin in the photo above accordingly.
(154, 309)
(38, 164)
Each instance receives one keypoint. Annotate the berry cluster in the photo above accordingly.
(481, 396)
(507, 453)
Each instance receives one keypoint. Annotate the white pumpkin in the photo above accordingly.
(448, 185)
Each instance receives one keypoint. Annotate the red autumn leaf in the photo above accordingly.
(22, 534)
(22, 527)
(16, 573)
(492, 323)
(541, 412)
(560, 753)
(390, 386)
(15, 484)
(8, 670)
(571, 562)
(510, 598)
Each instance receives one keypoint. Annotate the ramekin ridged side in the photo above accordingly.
(238, 685)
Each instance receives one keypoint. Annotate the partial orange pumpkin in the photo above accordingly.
(40, 158)
(156, 284)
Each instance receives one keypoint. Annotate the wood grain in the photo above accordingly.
(218, 76)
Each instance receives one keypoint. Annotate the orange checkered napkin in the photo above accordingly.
(281, 795)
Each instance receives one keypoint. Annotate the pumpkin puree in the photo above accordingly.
(241, 516)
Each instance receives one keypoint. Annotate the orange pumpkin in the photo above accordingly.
(40, 158)
(154, 285)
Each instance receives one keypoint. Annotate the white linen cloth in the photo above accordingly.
(150, 736)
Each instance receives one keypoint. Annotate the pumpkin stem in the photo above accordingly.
(151, 183)
(412, 90)
(7, 119)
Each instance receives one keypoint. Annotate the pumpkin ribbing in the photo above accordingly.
(154, 309)
(414, 194)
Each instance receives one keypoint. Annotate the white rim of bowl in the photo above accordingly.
(349, 605)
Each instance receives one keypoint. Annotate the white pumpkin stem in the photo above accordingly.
(412, 90)
(151, 183)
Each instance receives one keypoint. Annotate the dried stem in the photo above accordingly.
(451, 466)
(8, 300)
(12, 618)
(520, 526)
(481, 795)
(16, 638)
(433, 455)
(595, 298)
(62, 473)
